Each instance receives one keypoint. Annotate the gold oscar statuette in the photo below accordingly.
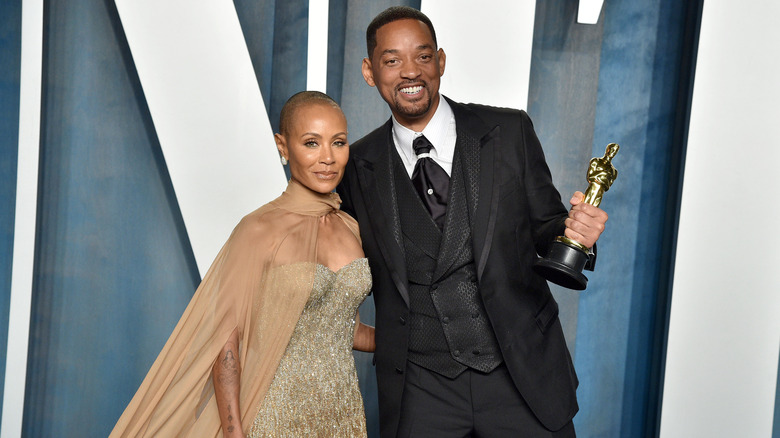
(566, 258)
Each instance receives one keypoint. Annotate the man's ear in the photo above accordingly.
(442, 61)
(368, 74)
(281, 145)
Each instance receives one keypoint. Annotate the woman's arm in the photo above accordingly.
(364, 336)
(226, 375)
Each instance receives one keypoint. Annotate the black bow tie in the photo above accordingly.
(431, 181)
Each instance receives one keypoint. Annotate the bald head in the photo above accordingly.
(298, 100)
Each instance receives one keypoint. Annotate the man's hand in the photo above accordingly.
(585, 222)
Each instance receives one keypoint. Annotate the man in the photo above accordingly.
(468, 341)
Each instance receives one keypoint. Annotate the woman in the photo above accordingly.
(264, 346)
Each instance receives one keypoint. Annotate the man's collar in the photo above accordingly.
(435, 131)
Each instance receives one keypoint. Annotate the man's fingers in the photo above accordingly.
(584, 211)
(585, 222)
(576, 198)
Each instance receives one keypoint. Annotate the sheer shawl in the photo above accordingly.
(258, 283)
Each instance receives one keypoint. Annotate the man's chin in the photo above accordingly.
(412, 111)
(405, 105)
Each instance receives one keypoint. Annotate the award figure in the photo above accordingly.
(566, 259)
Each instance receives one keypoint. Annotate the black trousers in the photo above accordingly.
(474, 404)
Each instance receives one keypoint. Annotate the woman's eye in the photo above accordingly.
(339, 143)
(310, 144)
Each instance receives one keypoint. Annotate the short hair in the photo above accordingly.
(300, 99)
(391, 14)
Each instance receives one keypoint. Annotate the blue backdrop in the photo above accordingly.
(644, 91)
(113, 264)
(10, 64)
(114, 268)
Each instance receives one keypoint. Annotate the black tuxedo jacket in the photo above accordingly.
(519, 212)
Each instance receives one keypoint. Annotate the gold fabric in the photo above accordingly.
(315, 389)
(248, 287)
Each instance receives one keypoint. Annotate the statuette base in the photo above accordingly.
(563, 266)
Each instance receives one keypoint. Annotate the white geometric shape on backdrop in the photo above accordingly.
(317, 54)
(589, 11)
(206, 105)
(490, 65)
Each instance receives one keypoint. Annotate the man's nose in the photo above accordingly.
(410, 70)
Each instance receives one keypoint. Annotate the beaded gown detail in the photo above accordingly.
(315, 391)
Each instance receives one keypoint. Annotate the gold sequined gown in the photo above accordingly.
(315, 391)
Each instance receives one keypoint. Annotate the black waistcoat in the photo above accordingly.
(449, 329)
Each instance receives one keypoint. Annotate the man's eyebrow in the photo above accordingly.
(396, 51)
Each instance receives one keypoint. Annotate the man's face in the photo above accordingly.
(406, 69)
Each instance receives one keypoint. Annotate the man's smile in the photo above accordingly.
(411, 90)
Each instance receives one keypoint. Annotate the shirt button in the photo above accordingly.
(476, 352)
(456, 353)
(430, 191)
(445, 320)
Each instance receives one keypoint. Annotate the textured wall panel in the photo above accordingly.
(562, 104)
(10, 64)
(114, 269)
(643, 102)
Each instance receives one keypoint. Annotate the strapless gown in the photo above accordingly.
(315, 391)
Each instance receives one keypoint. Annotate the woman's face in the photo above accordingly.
(316, 146)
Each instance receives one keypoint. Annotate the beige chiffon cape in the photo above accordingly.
(258, 283)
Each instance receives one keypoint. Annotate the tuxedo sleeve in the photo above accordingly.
(344, 189)
(546, 210)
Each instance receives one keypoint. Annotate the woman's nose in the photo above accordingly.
(326, 154)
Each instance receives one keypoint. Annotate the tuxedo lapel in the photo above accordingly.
(375, 173)
(480, 145)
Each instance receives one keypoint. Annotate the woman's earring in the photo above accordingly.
(284, 161)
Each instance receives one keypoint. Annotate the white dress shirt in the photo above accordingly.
(440, 131)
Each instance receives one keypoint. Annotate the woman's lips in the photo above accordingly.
(327, 175)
